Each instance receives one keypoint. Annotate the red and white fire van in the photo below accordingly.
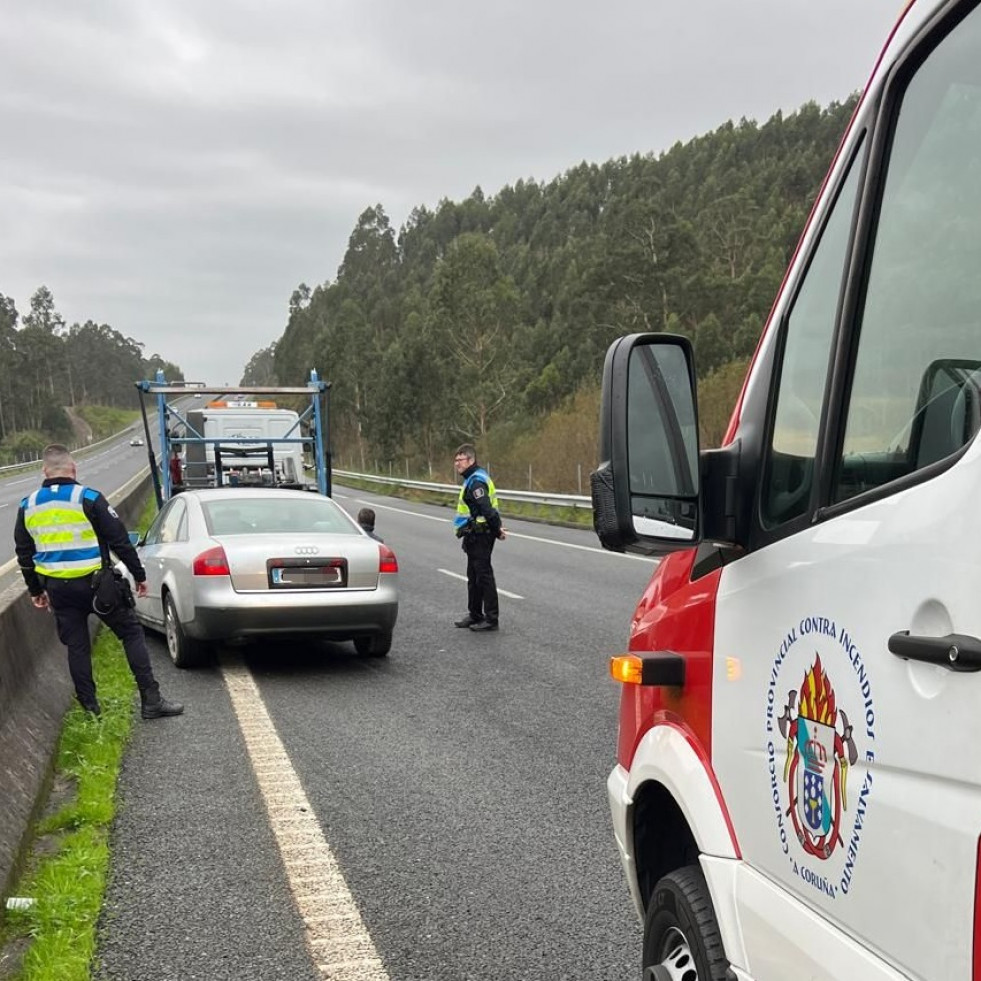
(798, 786)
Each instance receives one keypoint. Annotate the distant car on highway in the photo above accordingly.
(238, 563)
(136, 441)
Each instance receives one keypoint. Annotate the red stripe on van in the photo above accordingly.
(674, 614)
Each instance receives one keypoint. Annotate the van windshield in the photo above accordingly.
(915, 395)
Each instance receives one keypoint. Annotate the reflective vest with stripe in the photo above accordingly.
(66, 543)
(463, 512)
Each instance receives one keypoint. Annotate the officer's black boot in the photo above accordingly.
(90, 704)
(155, 706)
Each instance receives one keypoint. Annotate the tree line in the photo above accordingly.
(47, 366)
(479, 319)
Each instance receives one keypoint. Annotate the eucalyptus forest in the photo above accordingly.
(487, 320)
(50, 373)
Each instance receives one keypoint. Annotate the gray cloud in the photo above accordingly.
(175, 169)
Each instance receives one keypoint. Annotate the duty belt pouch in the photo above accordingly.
(110, 589)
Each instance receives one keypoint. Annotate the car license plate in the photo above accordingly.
(290, 574)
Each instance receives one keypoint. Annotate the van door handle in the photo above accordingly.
(957, 652)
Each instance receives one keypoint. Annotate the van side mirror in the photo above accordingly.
(135, 538)
(948, 410)
(646, 490)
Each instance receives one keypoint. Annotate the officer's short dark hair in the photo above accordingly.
(366, 518)
(467, 450)
(57, 459)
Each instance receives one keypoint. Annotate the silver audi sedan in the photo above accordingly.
(235, 563)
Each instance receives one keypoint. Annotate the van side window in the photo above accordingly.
(916, 385)
(809, 330)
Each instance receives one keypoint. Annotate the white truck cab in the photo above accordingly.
(235, 423)
(798, 785)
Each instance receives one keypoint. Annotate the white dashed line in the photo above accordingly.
(503, 592)
(415, 514)
(515, 534)
(338, 940)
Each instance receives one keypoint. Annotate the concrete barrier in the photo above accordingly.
(35, 691)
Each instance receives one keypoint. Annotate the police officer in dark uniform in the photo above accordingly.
(478, 524)
(57, 537)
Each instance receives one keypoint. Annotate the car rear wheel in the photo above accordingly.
(681, 934)
(184, 652)
(377, 645)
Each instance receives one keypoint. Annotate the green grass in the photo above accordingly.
(67, 884)
(106, 420)
(66, 872)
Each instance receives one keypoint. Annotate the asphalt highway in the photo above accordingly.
(459, 784)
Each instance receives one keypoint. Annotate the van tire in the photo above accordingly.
(377, 645)
(680, 928)
(183, 651)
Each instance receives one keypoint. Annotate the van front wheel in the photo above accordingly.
(681, 934)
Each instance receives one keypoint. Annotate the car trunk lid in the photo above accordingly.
(264, 563)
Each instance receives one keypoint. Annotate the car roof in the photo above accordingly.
(249, 494)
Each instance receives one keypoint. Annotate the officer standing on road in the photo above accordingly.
(478, 524)
(57, 537)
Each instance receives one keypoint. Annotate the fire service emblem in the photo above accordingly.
(820, 820)
(820, 749)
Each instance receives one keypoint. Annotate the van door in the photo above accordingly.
(852, 773)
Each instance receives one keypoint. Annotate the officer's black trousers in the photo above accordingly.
(71, 601)
(481, 585)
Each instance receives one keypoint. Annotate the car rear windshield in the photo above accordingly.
(276, 515)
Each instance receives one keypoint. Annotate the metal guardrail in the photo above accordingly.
(528, 497)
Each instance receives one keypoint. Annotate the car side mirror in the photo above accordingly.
(135, 538)
(646, 490)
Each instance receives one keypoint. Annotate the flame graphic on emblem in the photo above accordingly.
(817, 697)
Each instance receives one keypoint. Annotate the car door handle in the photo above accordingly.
(957, 652)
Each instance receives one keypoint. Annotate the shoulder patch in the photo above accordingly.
(112, 511)
(478, 493)
(89, 494)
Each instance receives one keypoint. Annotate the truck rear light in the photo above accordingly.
(211, 563)
(386, 560)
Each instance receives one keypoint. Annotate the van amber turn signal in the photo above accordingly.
(627, 668)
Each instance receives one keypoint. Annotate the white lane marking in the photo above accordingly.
(515, 534)
(4, 505)
(387, 507)
(338, 940)
(456, 575)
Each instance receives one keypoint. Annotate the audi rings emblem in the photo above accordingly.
(306, 550)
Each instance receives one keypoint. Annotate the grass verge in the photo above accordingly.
(66, 874)
(54, 939)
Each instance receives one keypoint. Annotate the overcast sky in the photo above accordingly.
(176, 168)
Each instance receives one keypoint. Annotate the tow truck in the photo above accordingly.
(239, 437)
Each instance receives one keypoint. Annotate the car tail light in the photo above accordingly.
(386, 560)
(211, 563)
